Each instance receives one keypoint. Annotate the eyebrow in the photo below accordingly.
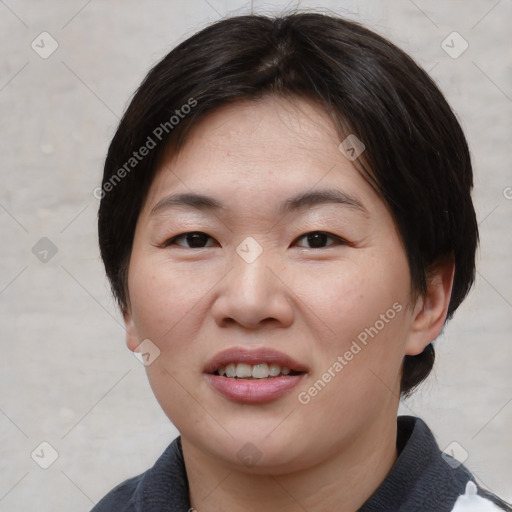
(298, 202)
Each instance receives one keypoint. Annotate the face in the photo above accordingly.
(293, 262)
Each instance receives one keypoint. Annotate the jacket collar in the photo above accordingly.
(423, 478)
(164, 488)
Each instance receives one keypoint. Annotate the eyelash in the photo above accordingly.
(337, 239)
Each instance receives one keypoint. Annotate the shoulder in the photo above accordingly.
(452, 479)
(165, 485)
(121, 498)
(426, 478)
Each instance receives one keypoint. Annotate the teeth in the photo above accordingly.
(243, 370)
(274, 370)
(260, 371)
(230, 370)
(256, 371)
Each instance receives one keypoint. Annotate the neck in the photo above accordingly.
(343, 482)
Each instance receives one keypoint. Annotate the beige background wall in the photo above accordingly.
(66, 377)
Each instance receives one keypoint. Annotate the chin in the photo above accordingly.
(251, 451)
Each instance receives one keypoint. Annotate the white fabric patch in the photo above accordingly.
(471, 502)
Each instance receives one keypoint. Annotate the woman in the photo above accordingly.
(286, 222)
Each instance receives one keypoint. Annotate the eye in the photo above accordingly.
(194, 239)
(318, 239)
(199, 240)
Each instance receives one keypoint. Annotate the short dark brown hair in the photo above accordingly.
(416, 154)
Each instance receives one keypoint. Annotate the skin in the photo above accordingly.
(308, 301)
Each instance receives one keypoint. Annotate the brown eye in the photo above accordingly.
(319, 239)
(192, 240)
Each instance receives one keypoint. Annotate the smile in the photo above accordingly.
(254, 371)
(253, 375)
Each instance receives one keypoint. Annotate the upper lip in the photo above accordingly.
(253, 356)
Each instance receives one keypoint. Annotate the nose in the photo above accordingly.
(253, 295)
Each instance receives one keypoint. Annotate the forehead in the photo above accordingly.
(269, 149)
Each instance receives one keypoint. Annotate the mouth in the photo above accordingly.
(255, 371)
(253, 376)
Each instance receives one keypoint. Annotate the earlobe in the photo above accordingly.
(431, 309)
(132, 338)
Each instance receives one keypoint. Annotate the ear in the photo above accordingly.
(132, 337)
(430, 309)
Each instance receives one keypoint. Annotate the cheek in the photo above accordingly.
(164, 303)
(365, 320)
(351, 296)
(163, 295)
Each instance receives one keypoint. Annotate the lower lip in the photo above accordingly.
(253, 391)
